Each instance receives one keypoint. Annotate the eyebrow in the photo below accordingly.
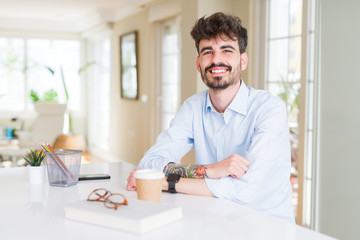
(227, 46)
(222, 47)
(205, 48)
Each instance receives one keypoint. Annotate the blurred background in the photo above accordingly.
(108, 76)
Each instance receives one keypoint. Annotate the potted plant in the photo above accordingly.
(62, 75)
(36, 169)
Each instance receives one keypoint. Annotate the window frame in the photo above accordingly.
(159, 83)
(259, 72)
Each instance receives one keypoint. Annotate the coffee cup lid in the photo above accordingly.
(149, 174)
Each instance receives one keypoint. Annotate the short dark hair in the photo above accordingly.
(220, 24)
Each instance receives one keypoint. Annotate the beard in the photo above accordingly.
(221, 82)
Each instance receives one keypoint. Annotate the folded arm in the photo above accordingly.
(234, 166)
(192, 175)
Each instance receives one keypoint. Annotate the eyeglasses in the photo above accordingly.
(110, 200)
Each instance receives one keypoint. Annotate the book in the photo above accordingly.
(137, 217)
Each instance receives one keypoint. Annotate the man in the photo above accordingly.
(240, 134)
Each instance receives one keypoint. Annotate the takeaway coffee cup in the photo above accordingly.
(149, 184)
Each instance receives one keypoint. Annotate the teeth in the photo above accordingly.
(218, 71)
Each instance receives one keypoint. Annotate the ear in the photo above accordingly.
(197, 63)
(244, 61)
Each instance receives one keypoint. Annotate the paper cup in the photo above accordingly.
(149, 184)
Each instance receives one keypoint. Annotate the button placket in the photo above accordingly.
(220, 141)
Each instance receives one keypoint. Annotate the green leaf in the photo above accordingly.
(50, 70)
(64, 83)
(88, 64)
(50, 96)
(34, 96)
(33, 158)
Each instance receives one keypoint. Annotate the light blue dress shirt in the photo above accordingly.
(253, 126)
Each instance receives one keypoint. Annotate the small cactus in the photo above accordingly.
(33, 158)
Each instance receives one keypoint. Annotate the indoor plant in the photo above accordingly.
(62, 75)
(36, 169)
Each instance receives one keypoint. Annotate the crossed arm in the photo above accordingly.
(192, 176)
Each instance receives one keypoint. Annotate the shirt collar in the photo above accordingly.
(238, 104)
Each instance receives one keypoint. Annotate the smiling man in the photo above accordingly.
(240, 134)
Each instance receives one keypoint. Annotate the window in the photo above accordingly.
(59, 55)
(169, 87)
(284, 55)
(289, 61)
(24, 67)
(12, 77)
(99, 95)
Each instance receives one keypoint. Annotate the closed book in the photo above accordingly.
(136, 217)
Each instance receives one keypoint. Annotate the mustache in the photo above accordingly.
(218, 65)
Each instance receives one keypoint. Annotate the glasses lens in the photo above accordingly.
(115, 200)
(97, 194)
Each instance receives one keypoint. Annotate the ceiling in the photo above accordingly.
(64, 15)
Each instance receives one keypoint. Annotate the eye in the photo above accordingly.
(228, 51)
(207, 52)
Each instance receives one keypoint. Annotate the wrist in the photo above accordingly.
(201, 171)
(172, 179)
(165, 184)
(209, 170)
(166, 168)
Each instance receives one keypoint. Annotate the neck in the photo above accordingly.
(221, 99)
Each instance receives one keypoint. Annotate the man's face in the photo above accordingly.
(220, 62)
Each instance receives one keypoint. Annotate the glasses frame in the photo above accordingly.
(105, 198)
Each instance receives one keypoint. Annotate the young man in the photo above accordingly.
(240, 135)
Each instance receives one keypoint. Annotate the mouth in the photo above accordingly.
(219, 69)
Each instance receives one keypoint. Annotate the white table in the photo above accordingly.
(36, 212)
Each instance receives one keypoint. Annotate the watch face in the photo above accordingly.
(173, 177)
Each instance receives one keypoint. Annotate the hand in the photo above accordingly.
(131, 185)
(234, 166)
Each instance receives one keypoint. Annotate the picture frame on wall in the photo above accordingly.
(128, 63)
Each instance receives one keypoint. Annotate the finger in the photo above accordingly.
(238, 173)
(133, 171)
(243, 168)
(131, 187)
(241, 159)
(245, 161)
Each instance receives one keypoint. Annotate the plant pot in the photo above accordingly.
(50, 108)
(36, 174)
(49, 123)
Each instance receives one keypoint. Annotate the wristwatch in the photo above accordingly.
(172, 180)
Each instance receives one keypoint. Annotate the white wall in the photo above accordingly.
(339, 167)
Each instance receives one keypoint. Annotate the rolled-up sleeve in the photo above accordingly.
(172, 144)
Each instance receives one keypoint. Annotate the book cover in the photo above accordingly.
(136, 217)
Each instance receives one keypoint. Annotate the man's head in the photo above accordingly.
(220, 24)
(221, 42)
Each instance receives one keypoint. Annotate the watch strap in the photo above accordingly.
(172, 187)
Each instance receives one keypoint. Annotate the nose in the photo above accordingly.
(217, 58)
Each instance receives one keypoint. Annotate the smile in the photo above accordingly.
(219, 71)
(216, 71)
